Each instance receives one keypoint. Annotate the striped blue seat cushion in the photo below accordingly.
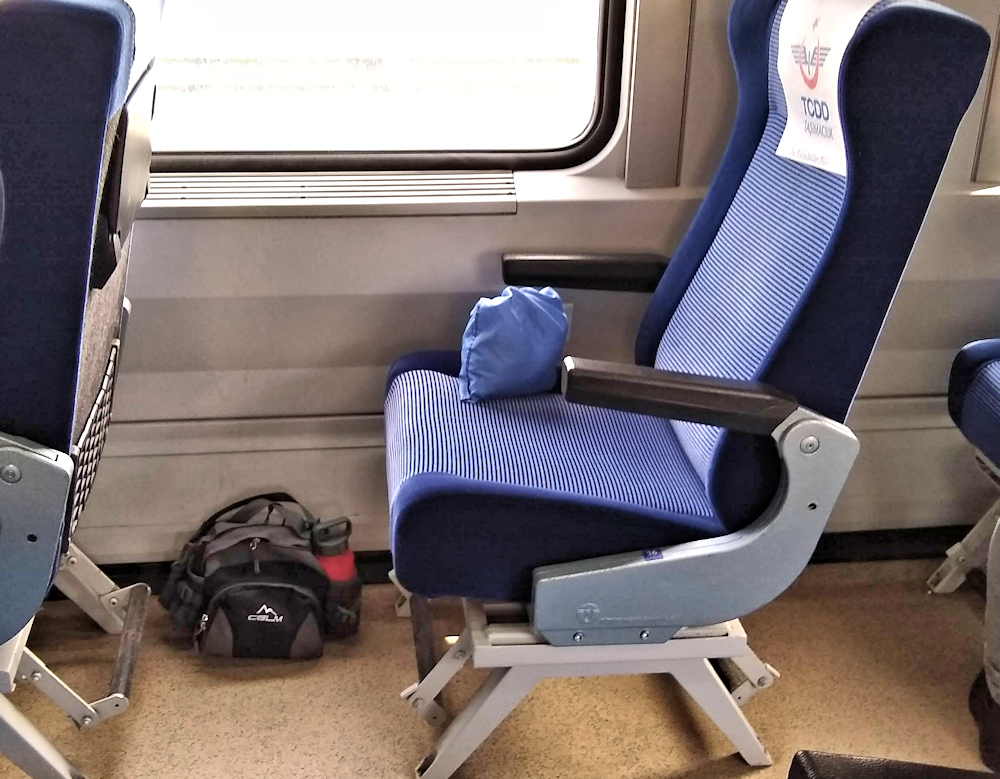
(979, 418)
(601, 481)
(536, 441)
(756, 271)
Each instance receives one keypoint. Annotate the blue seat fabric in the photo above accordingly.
(821, 352)
(66, 68)
(503, 473)
(785, 276)
(974, 396)
(446, 361)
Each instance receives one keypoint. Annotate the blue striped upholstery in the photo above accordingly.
(482, 494)
(537, 442)
(756, 270)
(801, 309)
(980, 411)
(966, 366)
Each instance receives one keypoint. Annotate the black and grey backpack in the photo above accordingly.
(248, 584)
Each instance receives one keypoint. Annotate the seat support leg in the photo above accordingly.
(424, 643)
(494, 700)
(403, 599)
(759, 676)
(703, 684)
(29, 750)
(968, 554)
(416, 608)
(422, 696)
(84, 714)
(20, 741)
(11, 654)
(80, 580)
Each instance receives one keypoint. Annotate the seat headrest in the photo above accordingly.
(24, 14)
(813, 37)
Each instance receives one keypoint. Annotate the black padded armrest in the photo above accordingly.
(610, 272)
(746, 406)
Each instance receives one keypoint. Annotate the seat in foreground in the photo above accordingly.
(75, 108)
(650, 506)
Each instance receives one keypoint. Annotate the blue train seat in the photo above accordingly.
(974, 395)
(75, 108)
(974, 407)
(646, 503)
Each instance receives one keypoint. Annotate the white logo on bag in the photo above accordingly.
(265, 614)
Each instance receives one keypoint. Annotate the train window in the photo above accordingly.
(338, 83)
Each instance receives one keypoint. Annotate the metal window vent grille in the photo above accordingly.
(182, 195)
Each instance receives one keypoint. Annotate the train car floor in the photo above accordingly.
(870, 664)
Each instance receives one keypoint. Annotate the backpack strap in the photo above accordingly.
(301, 521)
(246, 508)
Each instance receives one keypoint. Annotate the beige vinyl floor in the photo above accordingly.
(870, 663)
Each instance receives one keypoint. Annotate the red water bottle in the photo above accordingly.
(330, 544)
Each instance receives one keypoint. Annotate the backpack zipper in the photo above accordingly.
(202, 627)
(253, 553)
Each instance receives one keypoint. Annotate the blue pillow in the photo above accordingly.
(512, 344)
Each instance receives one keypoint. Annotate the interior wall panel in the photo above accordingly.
(710, 106)
(159, 480)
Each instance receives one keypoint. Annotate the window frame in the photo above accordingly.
(986, 169)
(611, 45)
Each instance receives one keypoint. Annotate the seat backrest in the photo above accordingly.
(66, 66)
(788, 270)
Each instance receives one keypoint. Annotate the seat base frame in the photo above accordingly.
(117, 611)
(494, 638)
(972, 551)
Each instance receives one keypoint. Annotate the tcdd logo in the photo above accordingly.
(816, 109)
(810, 60)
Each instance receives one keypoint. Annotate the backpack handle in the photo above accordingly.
(247, 507)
